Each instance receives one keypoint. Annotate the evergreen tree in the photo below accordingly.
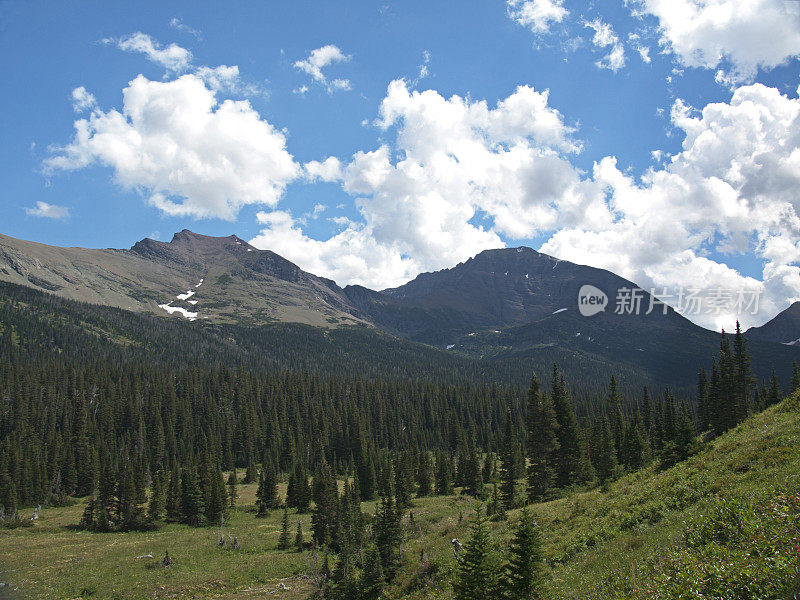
(267, 492)
(157, 497)
(703, 405)
(605, 456)
(192, 502)
(174, 503)
(444, 480)
(774, 394)
(233, 493)
(424, 475)
(326, 499)
(216, 500)
(367, 477)
(478, 572)
(570, 456)
(298, 538)
(388, 535)
(509, 468)
(794, 385)
(523, 573)
(372, 580)
(283, 540)
(541, 443)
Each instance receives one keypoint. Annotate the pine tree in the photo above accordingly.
(298, 538)
(173, 503)
(372, 580)
(570, 455)
(326, 499)
(216, 500)
(523, 573)
(605, 456)
(541, 443)
(192, 503)
(703, 405)
(157, 497)
(478, 565)
(267, 492)
(233, 493)
(367, 477)
(509, 469)
(794, 385)
(424, 476)
(774, 394)
(283, 540)
(444, 480)
(388, 535)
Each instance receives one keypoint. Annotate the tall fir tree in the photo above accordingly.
(523, 573)
(478, 570)
(541, 443)
(509, 467)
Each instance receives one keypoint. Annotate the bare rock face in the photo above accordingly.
(783, 329)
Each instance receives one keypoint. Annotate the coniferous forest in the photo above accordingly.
(146, 443)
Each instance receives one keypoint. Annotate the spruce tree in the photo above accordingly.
(372, 579)
(570, 456)
(605, 455)
(523, 573)
(233, 493)
(444, 480)
(478, 569)
(192, 502)
(541, 442)
(283, 540)
(794, 385)
(424, 475)
(509, 469)
(388, 535)
(774, 394)
(298, 538)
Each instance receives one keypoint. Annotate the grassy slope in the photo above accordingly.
(590, 536)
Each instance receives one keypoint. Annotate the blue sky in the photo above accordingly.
(657, 139)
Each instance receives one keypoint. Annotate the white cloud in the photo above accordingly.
(740, 36)
(82, 100)
(173, 57)
(48, 211)
(328, 170)
(319, 59)
(636, 43)
(537, 15)
(178, 24)
(604, 37)
(460, 177)
(224, 78)
(459, 160)
(732, 189)
(191, 154)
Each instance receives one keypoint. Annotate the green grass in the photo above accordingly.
(609, 543)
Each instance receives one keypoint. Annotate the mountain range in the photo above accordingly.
(506, 304)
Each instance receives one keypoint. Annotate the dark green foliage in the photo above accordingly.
(299, 542)
(509, 466)
(444, 477)
(424, 475)
(283, 540)
(541, 444)
(326, 499)
(192, 502)
(523, 574)
(267, 492)
(478, 576)
(388, 535)
(233, 494)
(570, 456)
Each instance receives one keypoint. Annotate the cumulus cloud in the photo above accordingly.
(319, 59)
(460, 160)
(537, 15)
(224, 78)
(604, 37)
(173, 58)
(82, 100)
(189, 153)
(48, 211)
(737, 36)
(731, 190)
(328, 170)
(460, 176)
